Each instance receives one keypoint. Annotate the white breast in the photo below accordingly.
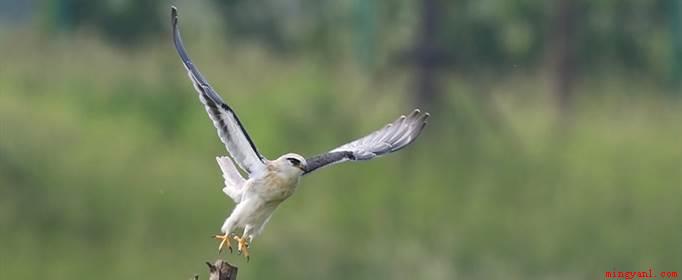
(274, 187)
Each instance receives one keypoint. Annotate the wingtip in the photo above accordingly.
(413, 114)
(174, 15)
(419, 114)
(419, 111)
(425, 117)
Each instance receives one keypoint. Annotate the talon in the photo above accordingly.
(242, 246)
(224, 241)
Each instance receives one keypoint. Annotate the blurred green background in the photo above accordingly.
(554, 150)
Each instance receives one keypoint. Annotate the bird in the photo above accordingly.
(267, 183)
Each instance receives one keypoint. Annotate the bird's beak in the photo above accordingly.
(302, 167)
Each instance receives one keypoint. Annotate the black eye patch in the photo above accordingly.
(294, 161)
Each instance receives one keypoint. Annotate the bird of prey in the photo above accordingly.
(267, 183)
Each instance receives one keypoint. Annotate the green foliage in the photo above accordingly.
(113, 173)
(482, 36)
(124, 22)
(471, 35)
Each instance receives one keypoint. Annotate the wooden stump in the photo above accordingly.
(220, 270)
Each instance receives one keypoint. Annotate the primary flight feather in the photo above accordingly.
(269, 182)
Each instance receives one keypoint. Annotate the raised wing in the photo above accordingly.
(230, 129)
(391, 138)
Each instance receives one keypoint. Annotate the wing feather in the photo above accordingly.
(234, 182)
(392, 137)
(230, 129)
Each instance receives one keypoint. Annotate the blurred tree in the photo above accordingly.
(126, 22)
(562, 49)
(473, 36)
(264, 21)
(57, 15)
(365, 31)
(15, 11)
(676, 41)
(428, 55)
(491, 35)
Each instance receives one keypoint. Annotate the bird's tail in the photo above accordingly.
(233, 179)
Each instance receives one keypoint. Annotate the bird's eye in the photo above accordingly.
(294, 161)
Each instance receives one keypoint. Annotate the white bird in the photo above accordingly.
(268, 183)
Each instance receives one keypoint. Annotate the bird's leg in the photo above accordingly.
(243, 246)
(224, 241)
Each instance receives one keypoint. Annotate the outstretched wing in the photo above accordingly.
(391, 138)
(230, 129)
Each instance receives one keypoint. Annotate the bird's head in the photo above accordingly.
(291, 163)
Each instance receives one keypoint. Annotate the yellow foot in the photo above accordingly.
(243, 246)
(224, 241)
